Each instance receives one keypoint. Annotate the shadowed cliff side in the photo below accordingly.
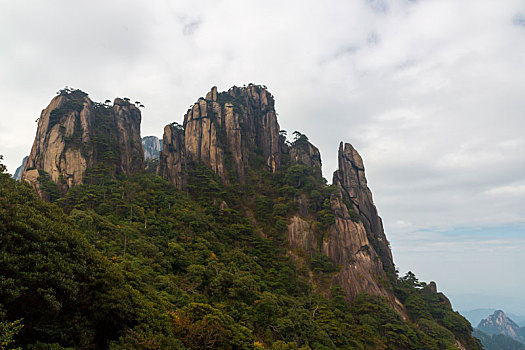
(349, 241)
(351, 181)
(172, 156)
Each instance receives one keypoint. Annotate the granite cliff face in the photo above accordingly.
(332, 232)
(228, 132)
(172, 157)
(233, 131)
(350, 241)
(18, 172)
(75, 135)
(126, 120)
(351, 181)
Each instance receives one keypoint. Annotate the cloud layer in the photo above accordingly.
(430, 92)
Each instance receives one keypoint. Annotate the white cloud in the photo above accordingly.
(512, 190)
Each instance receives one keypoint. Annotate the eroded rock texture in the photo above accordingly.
(172, 156)
(127, 120)
(228, 132)
(351, 181)
(75, 135)
(306, 153)
(355, 242)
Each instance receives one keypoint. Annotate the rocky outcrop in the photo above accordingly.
(127, 118)
(233, 131)
(75, 135)
(351, 242)
(152, 147)
(303, 152)
(347, 244)
(172, 157)
(229, 132)
(65, 126)
(351, 182)
(18, 172)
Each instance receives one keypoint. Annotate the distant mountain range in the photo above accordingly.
(476, 315)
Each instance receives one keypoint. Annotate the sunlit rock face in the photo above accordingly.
(74, 135)
(228, 132)
(351, 181)
(355, 241)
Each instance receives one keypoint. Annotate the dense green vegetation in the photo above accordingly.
(132, 263)
(498, 341)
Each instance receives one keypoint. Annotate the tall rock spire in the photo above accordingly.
(172, 156)
(228, 132)
(75, 135)
(351, 181)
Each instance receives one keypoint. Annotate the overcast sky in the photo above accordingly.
(430, 92)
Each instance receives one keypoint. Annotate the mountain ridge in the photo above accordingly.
(263, 194)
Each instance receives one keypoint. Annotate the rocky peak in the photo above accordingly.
(499, 323)
(18, 172)
(351, 181)
(152, 147)
(74, 134)
(228, 132)
(127, 118)
(354, 240)
(349, 242)
(172, 156)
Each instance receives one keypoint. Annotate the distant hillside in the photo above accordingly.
(497, 341)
